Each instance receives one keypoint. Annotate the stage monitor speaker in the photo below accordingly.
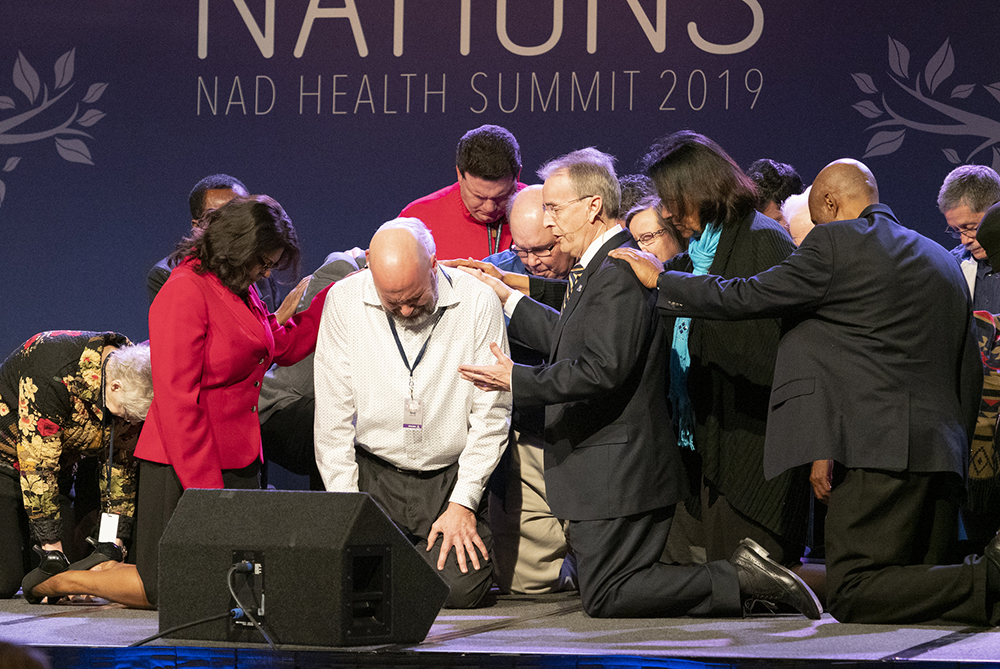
(314, 568)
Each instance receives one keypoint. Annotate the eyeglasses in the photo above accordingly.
(554, 209)
(538, 251)
(962, 231)
(647, 238)
(267, 265)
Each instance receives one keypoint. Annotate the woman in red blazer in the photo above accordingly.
(211, 341)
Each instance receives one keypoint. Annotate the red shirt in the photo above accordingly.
(456, 233)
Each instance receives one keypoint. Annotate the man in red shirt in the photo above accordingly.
(468, 218)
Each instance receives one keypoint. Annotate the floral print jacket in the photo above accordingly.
(52, 415)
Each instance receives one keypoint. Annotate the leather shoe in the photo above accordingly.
(53, 562)
(764, 581)
(103, 552)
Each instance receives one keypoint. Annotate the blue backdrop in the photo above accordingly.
(346, 110)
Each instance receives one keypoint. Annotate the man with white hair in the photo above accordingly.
(392, 417)
(612, 466)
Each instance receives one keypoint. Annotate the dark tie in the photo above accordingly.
(574, 278)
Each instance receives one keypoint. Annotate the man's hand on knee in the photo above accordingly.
(457, 527)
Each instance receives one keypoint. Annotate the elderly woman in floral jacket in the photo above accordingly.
(65, 396)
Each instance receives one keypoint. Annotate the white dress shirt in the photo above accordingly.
(362, 382)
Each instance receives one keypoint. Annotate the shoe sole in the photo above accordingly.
(763, 554)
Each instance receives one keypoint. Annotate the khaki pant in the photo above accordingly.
(529, 543)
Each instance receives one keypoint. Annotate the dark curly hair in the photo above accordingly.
(693, 173)
(775, 181)
(234, 239)
(488, 152)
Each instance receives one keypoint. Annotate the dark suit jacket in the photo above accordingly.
(877, 367)
(610, 450)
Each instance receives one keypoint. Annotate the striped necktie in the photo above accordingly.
(574, 278)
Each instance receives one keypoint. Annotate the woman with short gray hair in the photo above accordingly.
(65, 396)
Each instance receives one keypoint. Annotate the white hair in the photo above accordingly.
(130, 365)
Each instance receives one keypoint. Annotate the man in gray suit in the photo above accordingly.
(612, 466)
(877, 369)
(287, 398)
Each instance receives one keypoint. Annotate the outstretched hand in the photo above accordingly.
(490, 377)
(498, 286)
(485, 267)
(457, 527)
(646, 266)
(291, 301)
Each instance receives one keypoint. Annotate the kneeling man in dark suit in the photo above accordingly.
(612, 466)
(876, 369)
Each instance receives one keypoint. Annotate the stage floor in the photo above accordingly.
(518, 631)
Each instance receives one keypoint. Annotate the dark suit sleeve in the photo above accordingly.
(533, 326)
(799, 283)
(612, 347)
(334, 268)
(970, 380)
(155, 279)
(549, 292)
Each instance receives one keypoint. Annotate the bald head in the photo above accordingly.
(841, 191)
(525, 214)
(531, 237)
(404, 268)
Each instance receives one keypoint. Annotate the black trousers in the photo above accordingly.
(14, 545)
(889, 538)
(287, 438)
(159, 492)
(621, 576)
(414, 500)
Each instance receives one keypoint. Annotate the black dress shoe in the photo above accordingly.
(53, 562)
(764, 581)
(103, 552)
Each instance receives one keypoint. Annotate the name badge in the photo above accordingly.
(109, 528)
(413, 414)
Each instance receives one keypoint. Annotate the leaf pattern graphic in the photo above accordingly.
(868, 109)
(11, 163)
(94, 93)
(3, 191)
(994, 90)
(963, 91)
(952, 156)
(73, 150)
(899, 58)
(865, 83)
(883, 143)
(25, 78)
(6, 102)
(939, 67)
(91, 117)
(64, 68)
(996, 166)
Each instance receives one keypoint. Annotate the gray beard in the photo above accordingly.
(415, 323)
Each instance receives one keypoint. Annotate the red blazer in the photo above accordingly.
(209, 353)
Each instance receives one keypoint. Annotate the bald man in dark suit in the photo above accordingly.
(877, 370)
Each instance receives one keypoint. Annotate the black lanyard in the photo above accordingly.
(107, 420)
(423, 349)
(494, 244)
